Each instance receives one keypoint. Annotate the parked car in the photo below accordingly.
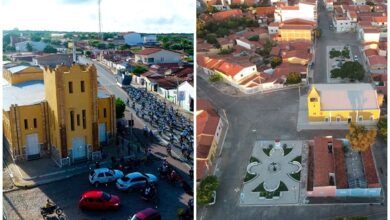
(99, 200)
(135, 180)
(146, 214)
(355, 58)
(104, 175)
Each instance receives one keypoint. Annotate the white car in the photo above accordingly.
(104, 175)
(135, 180)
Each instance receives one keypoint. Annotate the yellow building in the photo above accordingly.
(66, 115)
(343, 103)
(22, 73)
(296, 29)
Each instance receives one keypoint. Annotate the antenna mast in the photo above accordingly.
(100, 22)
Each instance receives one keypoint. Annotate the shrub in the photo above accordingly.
(120, 108)
(293, 78)
(205, 190)
(215, 77)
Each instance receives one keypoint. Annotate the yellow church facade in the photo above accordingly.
(65, 115)
(343, 103)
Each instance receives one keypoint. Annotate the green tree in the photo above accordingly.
(120, 108)
(29, 47)
(110, 46)
(276, 61)
(102, 46)
(205, 190)
(88, 53)
(138, 70)
(216, 77)
(293, 78)
(254, 38)
(124, 47)
(49, 49)
(211, 39)
(35, 38)
(56, 42)
(382, 127)
(351, 70)
(345, 52)
(360, 138)
(336, 73)
(334, 53)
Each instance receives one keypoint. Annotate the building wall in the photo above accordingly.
(371, 37)
(61, 102)
(342, 25)
(357, 192)
(150, 39)
(243, 44)
(133, 39)
(245, 73)
(296, 60)
(323, 191)
(30, 73)
(273, 29)
(159, 57)
(109, 119)
(316, 114)
(16, 131)
(305, 12)
(290, 35)
(189, 91)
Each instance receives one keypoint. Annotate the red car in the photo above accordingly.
(147, 214)
(99, 200)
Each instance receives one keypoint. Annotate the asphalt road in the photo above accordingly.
(25, 204)
(266, 117)
(330, 38)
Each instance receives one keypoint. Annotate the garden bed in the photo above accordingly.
(296, 176)
(298, 158)
(269, 195)
(248, 177)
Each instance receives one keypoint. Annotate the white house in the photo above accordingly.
(342, 24)
(186, 96)
(244, 43)
(304, 10)
(150, 39)
(36, 46)
(273, 28)
(151, 56)
(133, 39)
(359, 2)
(369, 34)
(236, 72)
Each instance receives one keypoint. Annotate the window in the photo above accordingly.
(78, 119)
(84, 119)
(104, 113)
(326, 119)
(101, 175)
(72, 120)
(35, 123)
(70, 87)
(82, 86)
(349, 120)
(372, 118)
(338, 119)
(313, 99)
(25, 124)
(360, 118)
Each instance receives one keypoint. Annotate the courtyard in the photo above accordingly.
(273, 173)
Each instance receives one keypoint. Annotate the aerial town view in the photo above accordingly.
(291, 114)
(98, 109)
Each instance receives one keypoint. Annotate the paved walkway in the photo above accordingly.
(271, 171)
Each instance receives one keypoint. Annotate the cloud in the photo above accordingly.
(73, 2)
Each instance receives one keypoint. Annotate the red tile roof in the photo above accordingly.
(230, 69)
(202, 169)
(369, 169)
(380, 19)
(340, 167)
(302, 54)
(371, 30)
(204, 143)
(323, 161)
(265, 10)
(376, 59)
(223, 15)
(149, 51)
(370, 52)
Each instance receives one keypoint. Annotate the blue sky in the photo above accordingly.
(149, 16)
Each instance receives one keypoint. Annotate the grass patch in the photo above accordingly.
(267, 151)
(296, 176)
(287, 151)
(215, 78)
(298, 158)
(254, 159)
(248, 177)
(270, 195)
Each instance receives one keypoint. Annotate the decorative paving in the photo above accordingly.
(273, 174)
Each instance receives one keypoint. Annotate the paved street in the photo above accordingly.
(330, 38)
(266, 117)
(24, 204)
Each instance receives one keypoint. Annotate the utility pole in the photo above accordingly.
(100, 22)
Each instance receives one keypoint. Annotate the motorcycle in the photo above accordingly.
(45, 211)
